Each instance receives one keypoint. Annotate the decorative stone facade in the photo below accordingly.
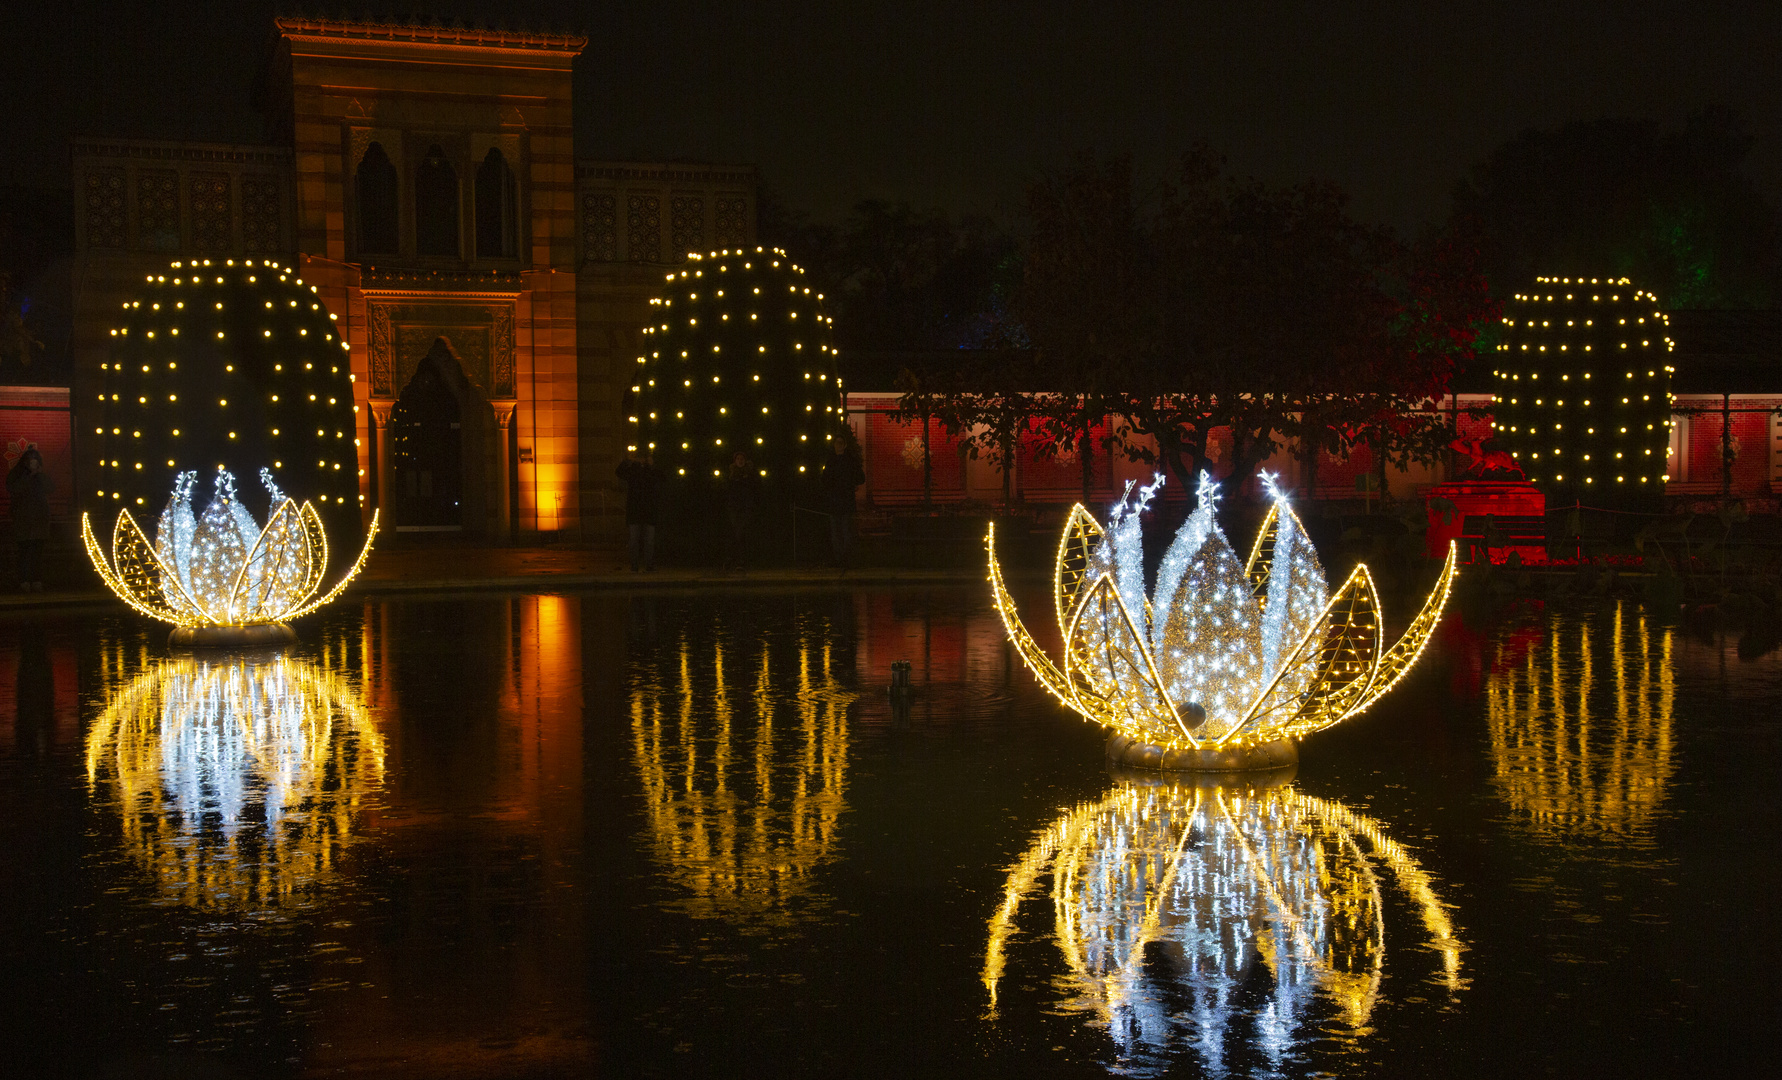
(390, 141)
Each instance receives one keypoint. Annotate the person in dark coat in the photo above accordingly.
(642, 487)
(742, 491)
(842, 474)
(28, 488)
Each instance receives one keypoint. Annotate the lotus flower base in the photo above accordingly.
(254, 636)
(1138, 754)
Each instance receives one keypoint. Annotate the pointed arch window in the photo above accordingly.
(436, 206)
(375, 187)
(497, 213)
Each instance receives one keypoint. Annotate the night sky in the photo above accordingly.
(959, 105)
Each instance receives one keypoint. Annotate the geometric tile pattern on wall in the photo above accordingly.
(157, 209)
(732, 224)
(600, 227)
(105, 208)
(687, 223)
(261, 215)
(643, 228)
(210, 211)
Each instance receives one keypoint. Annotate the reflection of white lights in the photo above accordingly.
(236, 781)
(1170, 900)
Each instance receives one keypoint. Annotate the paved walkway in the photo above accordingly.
(495, 569)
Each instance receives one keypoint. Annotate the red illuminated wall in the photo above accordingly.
(1336, 476)
(1040, 473)
(893, 457)
(1751, 434)
(38, 416)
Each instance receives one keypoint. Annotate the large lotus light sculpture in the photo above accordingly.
(220, 577)
(1226, 664)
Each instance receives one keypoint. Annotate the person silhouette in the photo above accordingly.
(28, 488)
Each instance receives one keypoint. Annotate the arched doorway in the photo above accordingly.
(426, 435)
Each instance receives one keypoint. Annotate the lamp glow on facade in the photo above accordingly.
(1222, 656)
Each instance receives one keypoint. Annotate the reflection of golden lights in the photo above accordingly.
(1205, 884)
(1567, 765)
(744, 776)
(236, 781)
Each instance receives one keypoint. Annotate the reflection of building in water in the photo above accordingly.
(237, 781)
(742, 748)
(1581, 729)
(1188, 915)
(474, 960)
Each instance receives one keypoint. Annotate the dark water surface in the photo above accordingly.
(688, 834)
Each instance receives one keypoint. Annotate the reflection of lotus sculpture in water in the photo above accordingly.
(221, 568)
(1225, 663)
(1187, 915)
(237, 782)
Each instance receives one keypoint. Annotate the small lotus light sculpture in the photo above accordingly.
(1226, 664)
(219, 576)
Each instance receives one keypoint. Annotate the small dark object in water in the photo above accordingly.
(900, 680)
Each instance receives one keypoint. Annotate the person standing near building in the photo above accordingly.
(641, 508)
(742, 490)
(842, 474)
(28, 488)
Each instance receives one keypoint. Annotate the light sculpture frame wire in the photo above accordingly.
(1130, 662)
(214, 570)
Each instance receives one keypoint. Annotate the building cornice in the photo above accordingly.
(665, 172)
(400, 34)
(90, 147)
(434, 283)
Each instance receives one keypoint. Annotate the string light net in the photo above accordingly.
(738, 357)
(1583, 395)
(219, 363)
(1222, 654)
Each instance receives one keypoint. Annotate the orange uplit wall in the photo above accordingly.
(509, 321)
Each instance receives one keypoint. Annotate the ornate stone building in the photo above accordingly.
(490, 284)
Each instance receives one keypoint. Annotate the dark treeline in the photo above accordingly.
(1201, 304)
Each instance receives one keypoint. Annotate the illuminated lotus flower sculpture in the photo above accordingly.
(1226, 664)
(221, 570)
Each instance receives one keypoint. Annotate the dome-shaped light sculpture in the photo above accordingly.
(226, 364)
(1226, 664)
(737, 358)
(1583, 395)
